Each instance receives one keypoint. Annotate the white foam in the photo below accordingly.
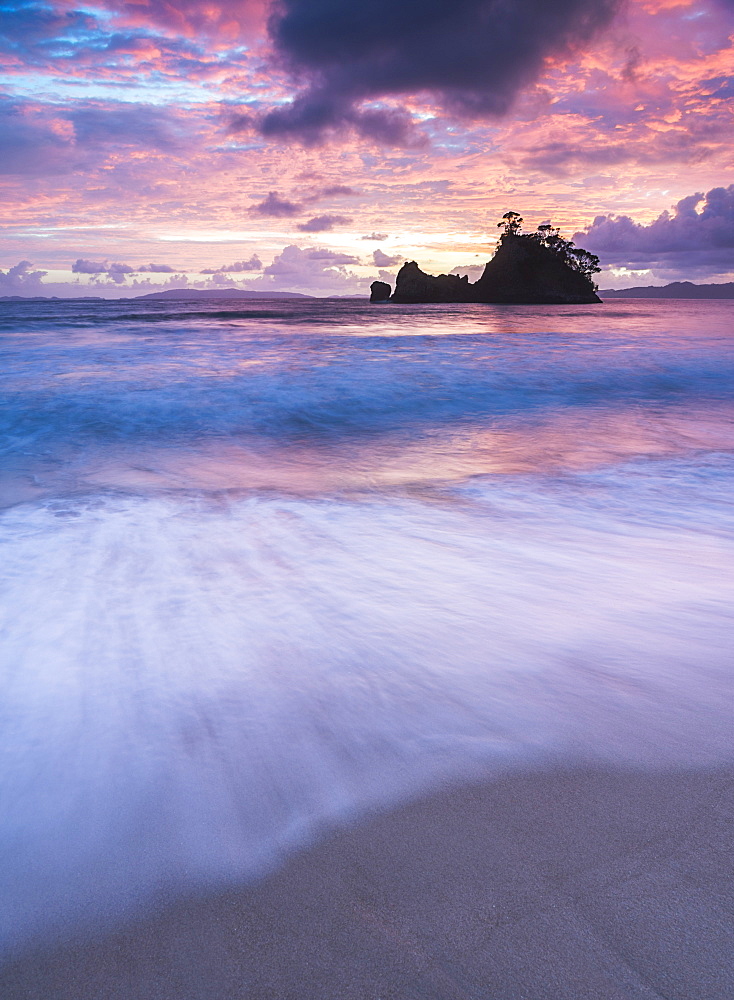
(191, 688)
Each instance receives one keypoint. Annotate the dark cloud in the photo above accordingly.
(241, 123)
(473, 55)
(314, 116)
(630, 70)
(253, 264)
(377, 237)
(684, 241)
(155, 269)
(323, 223)
(279, 208)
(384, 260)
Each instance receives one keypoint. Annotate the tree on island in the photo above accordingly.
(540, 268)
(549, 236)
(511, 224)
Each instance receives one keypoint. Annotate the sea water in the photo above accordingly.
(267, 566)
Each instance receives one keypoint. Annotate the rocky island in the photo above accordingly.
(539, 268)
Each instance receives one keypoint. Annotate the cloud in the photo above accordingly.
(253, 264)
(32, 29)
(38, 139)
(313, 117)
(232, 19)
(384, 260)
(125, 125)
(474, 56)
(51, 30)
(220, 279)
(21, 279)
(117, 271)
(377, 237)
(90, 267)
(277, 207)
(337, 189)
(686, 240)
(332, 256)
(474, 271)
(31, 144)
(313, 270)
(702, 137)
(323, 223)
(241, 123)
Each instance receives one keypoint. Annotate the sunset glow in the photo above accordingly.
(148, 145)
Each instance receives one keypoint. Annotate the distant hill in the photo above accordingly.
(676, 290)
(221, 293)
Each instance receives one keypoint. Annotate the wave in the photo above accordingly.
(194, 688)
(278, 388)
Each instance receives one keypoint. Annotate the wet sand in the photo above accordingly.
(588, 884)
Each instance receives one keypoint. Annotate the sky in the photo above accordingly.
(314, 145)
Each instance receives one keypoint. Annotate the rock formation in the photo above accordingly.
(413, 285)
(380, 291)
(524, 270)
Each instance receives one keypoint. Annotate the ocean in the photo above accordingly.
(269, 567)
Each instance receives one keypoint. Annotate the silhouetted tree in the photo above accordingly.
(549, 236)
(511, 223)
(583, 261)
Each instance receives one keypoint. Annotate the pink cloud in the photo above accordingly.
(314, 269)
(625, 124)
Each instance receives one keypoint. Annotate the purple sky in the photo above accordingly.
(313, 145)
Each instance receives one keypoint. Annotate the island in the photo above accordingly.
(540, 268)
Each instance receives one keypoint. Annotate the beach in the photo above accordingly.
(366, 652)
(574, 884)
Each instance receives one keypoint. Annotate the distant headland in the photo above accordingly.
(675, 290)
(539, 268)
(220, 293)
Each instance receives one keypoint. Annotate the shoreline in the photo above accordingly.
(565, 883)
